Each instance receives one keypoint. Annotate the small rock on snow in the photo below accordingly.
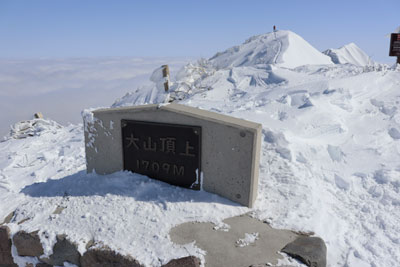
(309, 250)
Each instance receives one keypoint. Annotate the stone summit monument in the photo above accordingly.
(177, 144)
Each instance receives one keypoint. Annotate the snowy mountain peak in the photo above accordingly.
(349, 53)
(283, 48)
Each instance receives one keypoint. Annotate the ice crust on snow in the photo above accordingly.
(329, 165)
(349, 54)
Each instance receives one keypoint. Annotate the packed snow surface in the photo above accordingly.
(330, 164)
(349, 54)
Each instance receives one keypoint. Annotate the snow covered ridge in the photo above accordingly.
(349, 54)
(282, 48)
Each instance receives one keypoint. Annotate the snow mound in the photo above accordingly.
(33, 127)
(283, 48)
(349, 53)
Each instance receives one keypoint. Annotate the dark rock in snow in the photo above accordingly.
(8, 218)
(309, 250)
(63, 251)
(28, 244)
(105, 258)
(6, 258)
(190, 261)
(42, 264)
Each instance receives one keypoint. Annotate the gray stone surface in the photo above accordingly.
(28, 244)
(221, 246)
(8, 218)
(106, 258)
(230, 146)
(309, 250)
(6, 258)
(63, 251)
(189, 261)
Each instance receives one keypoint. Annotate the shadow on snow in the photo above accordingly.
(124, 184)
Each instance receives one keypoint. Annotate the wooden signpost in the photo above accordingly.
(395, 46)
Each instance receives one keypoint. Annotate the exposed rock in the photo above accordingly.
(6, 258)
(90, 244)
(105, 258)
(38, 115)
(42, 264)
(63, 251)
(23, 220)
(190, 261)
(309, 250)
(28, 244)
(8, 218)
(269, 265)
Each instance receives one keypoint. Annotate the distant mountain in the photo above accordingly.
(282, 48)
(349, 53)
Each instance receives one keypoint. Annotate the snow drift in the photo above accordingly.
(349, 54)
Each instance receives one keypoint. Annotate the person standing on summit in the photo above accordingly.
(274, 28)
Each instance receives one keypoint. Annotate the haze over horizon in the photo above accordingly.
(64, 29)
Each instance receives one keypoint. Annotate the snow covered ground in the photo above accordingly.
(330, 160)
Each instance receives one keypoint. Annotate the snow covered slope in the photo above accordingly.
(349, 53)
(283, 48)
(330, 164)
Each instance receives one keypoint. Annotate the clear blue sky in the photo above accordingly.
(61, 28)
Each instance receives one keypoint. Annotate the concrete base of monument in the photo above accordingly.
(242, 242)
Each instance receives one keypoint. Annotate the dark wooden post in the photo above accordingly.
(395, 46)
(165, 72)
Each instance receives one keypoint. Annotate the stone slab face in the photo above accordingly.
(28, 244)
(6, 258)
(230, 147)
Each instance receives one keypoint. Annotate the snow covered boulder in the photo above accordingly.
(33, 127)
(349, 54)
(283, 48)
